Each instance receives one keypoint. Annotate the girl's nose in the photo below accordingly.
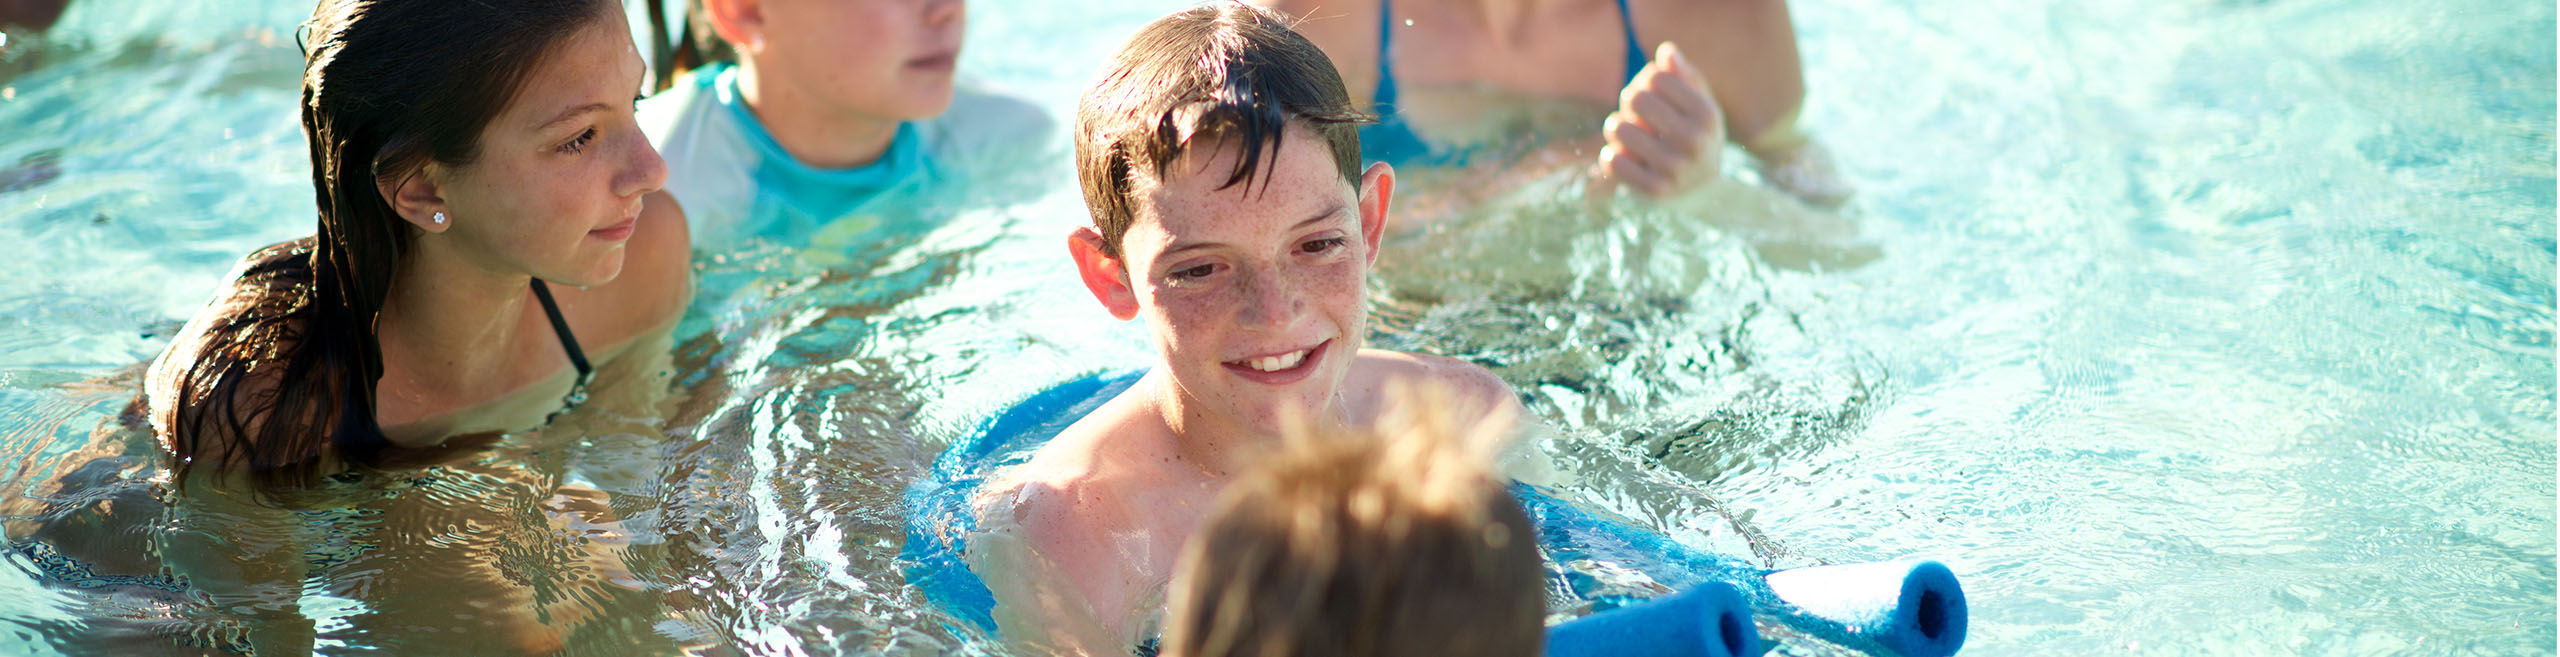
(643, 172)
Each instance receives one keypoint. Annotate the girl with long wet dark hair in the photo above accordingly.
(491, 242)
(484, 243)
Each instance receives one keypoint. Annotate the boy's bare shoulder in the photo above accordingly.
(1072, 485)
(1046, 510)
(1066, 511)
(1377, 367)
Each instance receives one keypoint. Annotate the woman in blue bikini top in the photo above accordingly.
(1670, 118)
(1392, 139)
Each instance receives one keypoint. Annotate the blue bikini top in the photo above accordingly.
(1393, 141)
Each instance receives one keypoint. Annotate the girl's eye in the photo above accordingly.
(1193, 273)
(1322, 245)
(579, 144)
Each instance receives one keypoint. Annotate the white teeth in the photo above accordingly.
(1277, 363)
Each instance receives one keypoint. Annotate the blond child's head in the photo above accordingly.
(1398, 541)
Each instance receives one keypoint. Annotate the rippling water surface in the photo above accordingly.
(2190, 327)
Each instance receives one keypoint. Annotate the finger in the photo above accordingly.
(1645, 146)
(1655, 114)
(1668, 55)
(1681, 83)
(1677, 61)
(1634, 173)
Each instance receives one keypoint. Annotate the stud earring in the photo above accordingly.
(439, 219)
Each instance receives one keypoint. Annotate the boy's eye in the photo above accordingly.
(1322, 245)
(1193, 273)
(579, 144)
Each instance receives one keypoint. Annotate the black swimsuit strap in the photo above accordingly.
(577, 357)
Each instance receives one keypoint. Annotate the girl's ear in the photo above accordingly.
(418, 198)
(1106, 276)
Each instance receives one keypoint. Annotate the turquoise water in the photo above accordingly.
(2186, 327)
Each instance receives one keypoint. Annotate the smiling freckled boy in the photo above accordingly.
(1220, 160)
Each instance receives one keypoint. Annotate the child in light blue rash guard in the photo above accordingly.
(832, 112)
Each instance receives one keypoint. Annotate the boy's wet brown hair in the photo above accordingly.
(1215, 74)
(1400, 541)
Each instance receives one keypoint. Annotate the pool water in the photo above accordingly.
(2203, 327)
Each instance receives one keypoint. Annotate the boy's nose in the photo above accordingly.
(1271, 300)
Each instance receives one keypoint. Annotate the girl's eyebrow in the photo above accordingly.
(573, 113)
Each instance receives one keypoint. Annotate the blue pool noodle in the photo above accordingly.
(1913, 608)
(1900, 608)
(1709, 620)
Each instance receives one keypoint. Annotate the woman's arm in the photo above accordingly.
(1741, 55)
(1746, 51)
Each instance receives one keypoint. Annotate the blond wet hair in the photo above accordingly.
(1399, 540)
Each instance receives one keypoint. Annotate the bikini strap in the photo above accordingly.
(1636, 55)
(577, 357)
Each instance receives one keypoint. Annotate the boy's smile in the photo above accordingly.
(1255, 292)
(1280, 369)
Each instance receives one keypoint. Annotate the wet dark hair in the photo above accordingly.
(388, 86)
(1208, 74)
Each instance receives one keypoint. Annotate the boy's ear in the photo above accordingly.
(739, 22)
(1107, 277)
(1377, 194)
(418, 198)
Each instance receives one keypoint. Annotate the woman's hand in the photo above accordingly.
(1667, 135)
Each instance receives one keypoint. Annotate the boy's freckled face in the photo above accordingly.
(1256, 298)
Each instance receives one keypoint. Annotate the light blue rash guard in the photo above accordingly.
(736, 183)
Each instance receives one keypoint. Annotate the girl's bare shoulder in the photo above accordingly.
(227, 365)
